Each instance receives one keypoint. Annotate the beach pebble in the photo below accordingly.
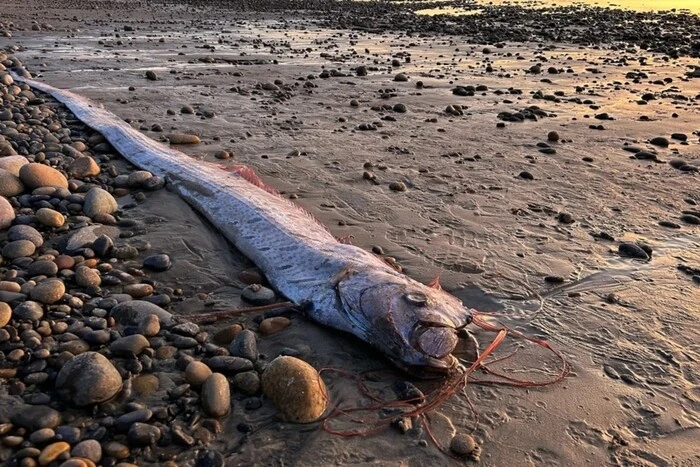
(5, 314)
(116, 450)
(247, 382)
(157, 263)
(659, 141)
(18, 249)
(401, 77)
(87, 277)
(13, 164)
(272, 325)
(28, 311)
(245, 345)
(151, 75)
(132, 312)
(42, 268)
(553, 136)
(210, 458)
(187, 109)
(134, 344)
(463, 444)
(88, 449)
(51, 452)
(99, 201)
(258, 295)
(691, 219)
(7, 213)
(143, 434)
(295, 388)
(138, 290)
(48, 291)
(25, 232)
(216, 395)
(632, 250)
(397, 186)
(36, 417)
(88, 378)
(150, 326)
(10, 185)
(50, 217)
(222, 155)
(197, 373)
(83, 167)
(179, 138)
(35, 175)
(226, 335)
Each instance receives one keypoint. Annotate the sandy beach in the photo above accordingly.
(526, 158)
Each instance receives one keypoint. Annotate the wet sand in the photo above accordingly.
(627, 327)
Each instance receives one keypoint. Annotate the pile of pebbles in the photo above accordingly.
(93, 369)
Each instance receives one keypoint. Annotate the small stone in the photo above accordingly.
(295, 388)
(216, 395)
(12, 164)
(18, 249)
(99, 201)
(42, 268)
(125, 346)
(245, 345)
(25, 232)
(150, 326)
(10, 184)
(145, 384)
(462, 444)
(87, 277)
(659, 141)
(227, 334)
(178, 138)
(5, 314)
(272, 325)
(83, 167)
(258, 295)
(526, 175)
(397, 186)
(50, 217)
(197, 373)
(691, 219)
(247, 382)
(151, 75)
(565, 218)
(51, 452)
(187, 109)
(400, 108)
(87, 379)
(222, 155)
(35, 175)
(143, 434)
(210, 458)
(36, 417)
(401, 77)
(138, 290)
(132, 312)
(28, 311)
(553, 136)
(88, 449)
(48, 291)
(7, 213)
(157, 263)
(633, 251)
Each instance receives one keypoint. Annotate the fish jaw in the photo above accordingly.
(414, 325)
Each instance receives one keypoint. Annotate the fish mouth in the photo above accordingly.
(435, 369)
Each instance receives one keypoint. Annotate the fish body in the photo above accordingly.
(339, 285)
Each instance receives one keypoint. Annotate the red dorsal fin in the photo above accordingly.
(435, 283)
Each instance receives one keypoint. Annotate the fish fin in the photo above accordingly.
(346, 240)
(435, 283)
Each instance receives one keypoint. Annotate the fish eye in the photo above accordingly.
(416, 298)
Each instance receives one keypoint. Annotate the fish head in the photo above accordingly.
(414, 325)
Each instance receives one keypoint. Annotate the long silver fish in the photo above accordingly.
(341, 286)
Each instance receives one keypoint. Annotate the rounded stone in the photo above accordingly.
(295, 388)
(10, 184)
(35, 175)
(18, 249)
(248, 382)
(462, 444)
(143, 434)
(132, 312)
(197, 373)
(227, 334)
(258, 295)
(13, 164)
(157, 263)
(87, 277)
(272, 325)
(51, 452)
(88, 449)
(553, 136)
(28, 311)
(125, 346)
(88, 378)
(245, 345)
(84, 167)
(99, 201)
(216, 395)
(50, 217)
(7, 213)
(42, 268)
(48, 291)
(138, 290)
(150, 326)
(5, 314)
(25, 232)
(37, 417)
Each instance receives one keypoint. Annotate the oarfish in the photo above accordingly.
(338, 285)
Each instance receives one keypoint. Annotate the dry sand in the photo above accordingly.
(628, 328)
